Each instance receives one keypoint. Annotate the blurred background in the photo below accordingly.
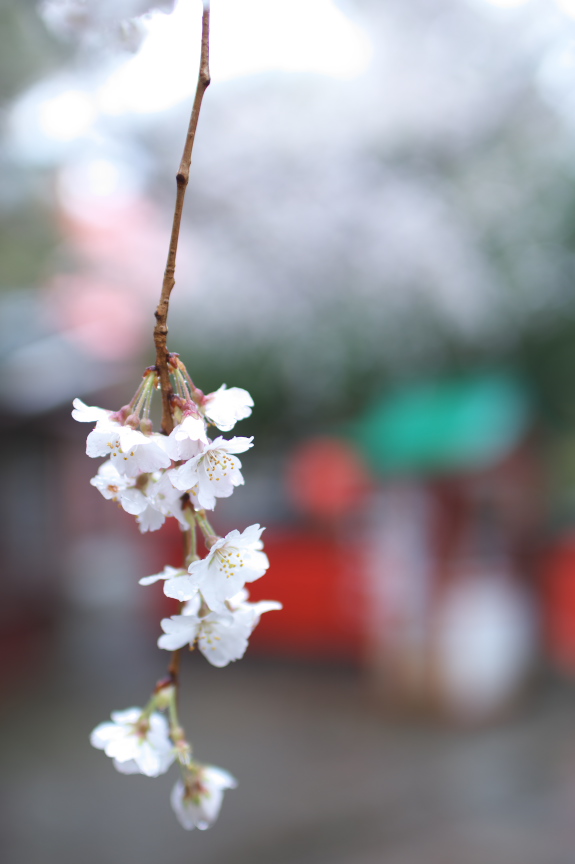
(379, 244)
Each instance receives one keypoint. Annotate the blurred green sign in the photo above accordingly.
(446, 425)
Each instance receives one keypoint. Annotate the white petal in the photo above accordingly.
(225, 407)
(150, 520)
(127, 715)
(133, 501)
(103, 734)
(130, 766)
(218, 778)
(193, 605)
(183, 812)
(233, 445)
(224, 643)
(256, 564)
(165, 498)
(167, 573)
(252, 534)
(152, 761)
(181, 588)
(142, 458)
(179, 630)
(185, 477)
(187, 439)
(265, 606)
(239, 599)
(132, 438)
(103, 439)
(206, 496)
(88, 413)
(122, 749)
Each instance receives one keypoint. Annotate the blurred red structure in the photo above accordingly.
(327, 478)
(559, 603)
(323, 597)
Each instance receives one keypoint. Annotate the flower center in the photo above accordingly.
(225, 559)
(141, 729)
(218, 461)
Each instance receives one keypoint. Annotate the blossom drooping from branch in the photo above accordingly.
(130, 452)
(187, 439)
(221, 637)
(232, 561)
(197, 801)
(137, 743)
(213, 473)
(181, 475)
(119, 487)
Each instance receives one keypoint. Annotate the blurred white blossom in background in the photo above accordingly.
(374, 182)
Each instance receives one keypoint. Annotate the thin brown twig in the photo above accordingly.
(174, 667)
(182, 177)
(161, 328)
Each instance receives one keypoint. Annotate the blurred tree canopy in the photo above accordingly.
(341, 235)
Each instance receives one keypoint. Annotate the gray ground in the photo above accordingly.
(324, 779)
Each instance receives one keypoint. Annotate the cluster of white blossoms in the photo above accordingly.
(155, 476)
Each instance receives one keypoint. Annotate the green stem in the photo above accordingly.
(190, 539)
(144, 394)
(210, 535)
(183, 747)
(197, 395)
(181, 385)
(135, 400)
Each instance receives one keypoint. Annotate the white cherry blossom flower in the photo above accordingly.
(136, 743)
(187, 439)
(88, 413)
(197, 803)
(214, 472)
(225, 407)
(232, 561)
(131, 452)
(222, 638)
(166, 499)
(150, 510)
(117, 487)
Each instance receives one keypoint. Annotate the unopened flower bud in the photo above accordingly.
(197, 802)
(146, 426)
(121, 415)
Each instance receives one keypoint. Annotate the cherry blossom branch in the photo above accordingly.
(161, 314)
(180, 473)
(182, 177)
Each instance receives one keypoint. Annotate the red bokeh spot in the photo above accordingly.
(326, 477)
